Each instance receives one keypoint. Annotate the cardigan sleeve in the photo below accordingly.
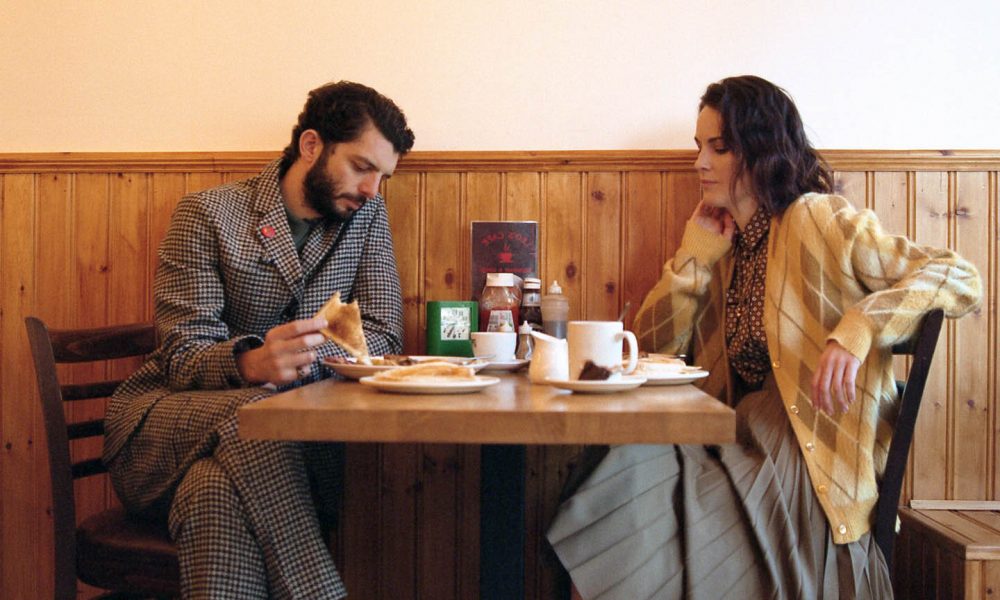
(666, 320)
(904, 280)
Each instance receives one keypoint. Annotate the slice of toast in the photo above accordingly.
(344, 327)
(428, 371)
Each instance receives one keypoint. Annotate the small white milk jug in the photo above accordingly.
(549, 359)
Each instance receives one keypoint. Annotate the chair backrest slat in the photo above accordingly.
(89, 391)
(103, 343)
(921, 346)
(85, 429)
(86, 468)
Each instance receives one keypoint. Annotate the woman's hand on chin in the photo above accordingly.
(714, 219)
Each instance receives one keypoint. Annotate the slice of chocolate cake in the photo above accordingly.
(592, 372)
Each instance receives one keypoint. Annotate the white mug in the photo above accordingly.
(497, 346)
(600, 342)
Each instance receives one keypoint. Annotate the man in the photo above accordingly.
(242, 270)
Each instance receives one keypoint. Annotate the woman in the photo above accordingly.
(792, 300)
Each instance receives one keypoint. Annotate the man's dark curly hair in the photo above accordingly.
(340, 111)
(761, 125)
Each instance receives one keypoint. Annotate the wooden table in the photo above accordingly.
(503, 418)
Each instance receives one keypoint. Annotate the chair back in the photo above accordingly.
(48, 349)
(921, 349)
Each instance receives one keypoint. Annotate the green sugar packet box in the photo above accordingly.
(449, 323)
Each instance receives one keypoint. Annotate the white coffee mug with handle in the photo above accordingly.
(600, 342)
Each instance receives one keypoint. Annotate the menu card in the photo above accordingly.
(503, 247)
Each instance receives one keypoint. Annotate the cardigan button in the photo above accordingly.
(810, 446)
(842, 530)
(794, 408)
(821, 489)
(776, 365)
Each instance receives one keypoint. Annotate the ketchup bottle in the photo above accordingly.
(499, 305)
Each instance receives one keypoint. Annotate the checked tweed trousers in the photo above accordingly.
(247, 516)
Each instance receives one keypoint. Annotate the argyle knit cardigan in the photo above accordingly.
(833, 273)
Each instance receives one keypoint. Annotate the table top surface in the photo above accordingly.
(514, 411)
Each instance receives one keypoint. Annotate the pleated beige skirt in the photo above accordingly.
(735, 521)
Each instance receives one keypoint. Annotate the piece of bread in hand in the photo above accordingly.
(428, 371)
(344, 327)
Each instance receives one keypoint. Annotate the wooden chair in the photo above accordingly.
(921, 349)
(110, 550)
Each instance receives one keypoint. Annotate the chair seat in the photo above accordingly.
(118, 551)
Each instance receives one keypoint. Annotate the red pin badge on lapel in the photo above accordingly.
(267, 231)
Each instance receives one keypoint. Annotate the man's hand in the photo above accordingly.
(716, 220)
(833, 381)
(285, 355)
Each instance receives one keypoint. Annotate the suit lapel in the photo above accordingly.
(273, 234)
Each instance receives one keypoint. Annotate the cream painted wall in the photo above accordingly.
(162, 75)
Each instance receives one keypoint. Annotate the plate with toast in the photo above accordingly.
(434, 377)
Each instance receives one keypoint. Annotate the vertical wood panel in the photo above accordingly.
(852, 185)
(972, 426)
(602, 275)
(482, 203)
(361, 565)
(683, 192)
(3, 286)
(437, 516)
(643, 241)
(564, 246)
(23, 513)
(404, 206)
(167, 190)
(930, 448)
(87, 292)
(397, 538)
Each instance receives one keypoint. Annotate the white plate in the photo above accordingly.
(506, 365)
(352, 370)
(675, 378)
(431, 387)
(627, 382)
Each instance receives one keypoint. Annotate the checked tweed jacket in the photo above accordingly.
(229, 272)
(242, 512)
(833, 273)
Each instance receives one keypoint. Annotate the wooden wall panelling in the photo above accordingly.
(972, 409)
(683, 194)
(930, 451)
(86, 290)
(404, 205)
(79, 238)
(992, 308)
(3, 286)
(166, 191)
(852, 185)
(393, 572)
(438, 463)
(564, 237)
(361, 532)
(603, 247)
(642, 237)
(889, 199)
(24, 517)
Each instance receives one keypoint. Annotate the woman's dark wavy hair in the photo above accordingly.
(761, 125)
(340, 111)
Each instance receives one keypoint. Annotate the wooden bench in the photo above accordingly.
(948, 549)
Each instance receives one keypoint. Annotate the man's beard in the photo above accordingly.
(321, 194)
